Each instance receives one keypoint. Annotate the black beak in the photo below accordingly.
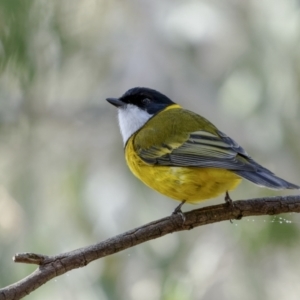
(116, 102)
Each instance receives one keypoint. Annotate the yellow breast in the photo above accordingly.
(181, 183)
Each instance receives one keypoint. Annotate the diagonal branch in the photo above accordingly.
(53, 266)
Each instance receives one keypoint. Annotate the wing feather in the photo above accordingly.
(202, 149)
(195, 142)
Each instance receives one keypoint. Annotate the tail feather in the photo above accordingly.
(267, 179)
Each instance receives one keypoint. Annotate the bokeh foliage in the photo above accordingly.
(64, 183)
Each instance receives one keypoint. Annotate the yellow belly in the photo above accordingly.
(182, 183)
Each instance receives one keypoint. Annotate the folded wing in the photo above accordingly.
(205, 149)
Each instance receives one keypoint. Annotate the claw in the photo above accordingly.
(228, 200)
(177, 211)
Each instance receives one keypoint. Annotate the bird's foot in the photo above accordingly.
(177, 211)
(230, 203)
(228, 200)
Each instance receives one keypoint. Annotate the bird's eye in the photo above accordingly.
(146, 101)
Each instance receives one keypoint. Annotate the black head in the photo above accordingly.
(146, 99)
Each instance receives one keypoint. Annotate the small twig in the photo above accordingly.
(53, 266)
(29, 258)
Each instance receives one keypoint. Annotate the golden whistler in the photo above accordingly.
(181, 154)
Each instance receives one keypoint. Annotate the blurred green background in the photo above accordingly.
(64, 182)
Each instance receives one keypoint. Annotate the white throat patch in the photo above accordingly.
(131, 119)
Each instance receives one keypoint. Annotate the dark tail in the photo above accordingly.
(265, 178)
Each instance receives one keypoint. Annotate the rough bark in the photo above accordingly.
(53, 266)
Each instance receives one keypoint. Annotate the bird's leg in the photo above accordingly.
(177, 211)
(230, 203)
(228, 200)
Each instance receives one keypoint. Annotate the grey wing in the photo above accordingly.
(203, 149)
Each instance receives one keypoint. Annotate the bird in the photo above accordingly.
(182, 155)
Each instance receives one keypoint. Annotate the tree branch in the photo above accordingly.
(53, 266)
